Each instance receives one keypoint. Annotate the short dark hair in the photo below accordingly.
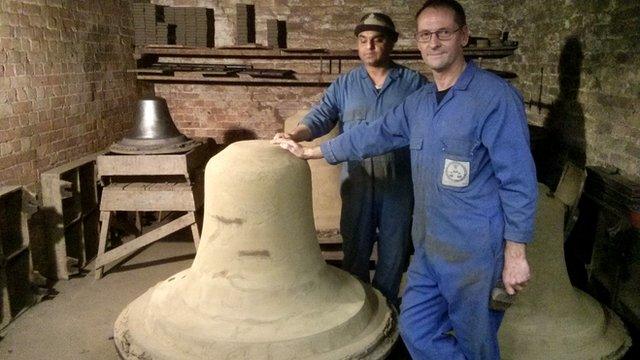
(459, 16)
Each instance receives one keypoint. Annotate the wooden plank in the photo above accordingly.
(15, 257)
(300, 79)
(56, 245)
(336, 239)
(167, 164)
(332, 255)
(135, 186)
(398, 54)
(7, 189)
(5, 302)
(164, 186)
(68, 191)
(177, 199)
(104, 232)
(113, 165)
(196, 234)
(198, 193)
(145, 239)
(73, 164)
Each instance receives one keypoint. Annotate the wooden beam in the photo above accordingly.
(145, 239)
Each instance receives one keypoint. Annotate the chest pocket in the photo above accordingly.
(355, 114)
(456, 163)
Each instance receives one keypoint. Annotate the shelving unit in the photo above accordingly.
(70, 202)
(15, 257)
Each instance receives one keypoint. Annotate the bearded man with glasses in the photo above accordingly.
(475, 191)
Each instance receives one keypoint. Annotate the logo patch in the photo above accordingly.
(455, 173)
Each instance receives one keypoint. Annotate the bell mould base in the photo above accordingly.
(140, 334)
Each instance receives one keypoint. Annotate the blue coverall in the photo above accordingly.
(377, 198)
(475, 186)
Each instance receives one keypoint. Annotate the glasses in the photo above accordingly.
(443, 35)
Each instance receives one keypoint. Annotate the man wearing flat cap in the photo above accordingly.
(377, 197)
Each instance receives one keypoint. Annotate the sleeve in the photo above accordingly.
(387, 133)
(324, 115)
(506, 136)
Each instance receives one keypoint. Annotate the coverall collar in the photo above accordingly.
(393, 71)
(463, 81)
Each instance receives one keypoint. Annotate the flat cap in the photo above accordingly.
(377, 22)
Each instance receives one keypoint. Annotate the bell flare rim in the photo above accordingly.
(606, 337)
(373, 341)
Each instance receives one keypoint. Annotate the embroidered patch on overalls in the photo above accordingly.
(456, 173)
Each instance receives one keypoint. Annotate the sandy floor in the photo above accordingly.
(78, 322)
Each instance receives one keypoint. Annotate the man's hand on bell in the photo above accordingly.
(301, 152)
(293, 147)
(279, 137)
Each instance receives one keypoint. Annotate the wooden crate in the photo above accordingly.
(15, 257)
(70, 203)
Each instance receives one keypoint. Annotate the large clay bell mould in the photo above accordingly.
(325, 181)
(153, 132)
(258, 287)
(551, 319)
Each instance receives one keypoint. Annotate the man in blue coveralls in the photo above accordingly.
(377, 200)
(474, 185)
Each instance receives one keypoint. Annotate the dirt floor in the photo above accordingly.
(78, 322)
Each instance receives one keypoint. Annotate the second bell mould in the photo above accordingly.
(258, 287)
(551, 319)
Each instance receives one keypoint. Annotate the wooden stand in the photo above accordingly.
(149, 183)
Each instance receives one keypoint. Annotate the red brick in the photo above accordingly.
(22, 107)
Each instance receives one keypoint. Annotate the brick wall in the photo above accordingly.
(230, 113)
(64, 91)
(578, 66)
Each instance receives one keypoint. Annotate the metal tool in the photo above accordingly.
(500, 300)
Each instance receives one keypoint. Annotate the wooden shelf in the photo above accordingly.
(198, 77)
(149, 54)
(152, 69)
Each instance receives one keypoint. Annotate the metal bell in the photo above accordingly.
(154, 131)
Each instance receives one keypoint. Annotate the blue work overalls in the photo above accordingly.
(475, 186)
(377, 198)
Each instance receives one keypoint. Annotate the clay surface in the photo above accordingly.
(325, 181)
(551, 319)
(258, 287)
